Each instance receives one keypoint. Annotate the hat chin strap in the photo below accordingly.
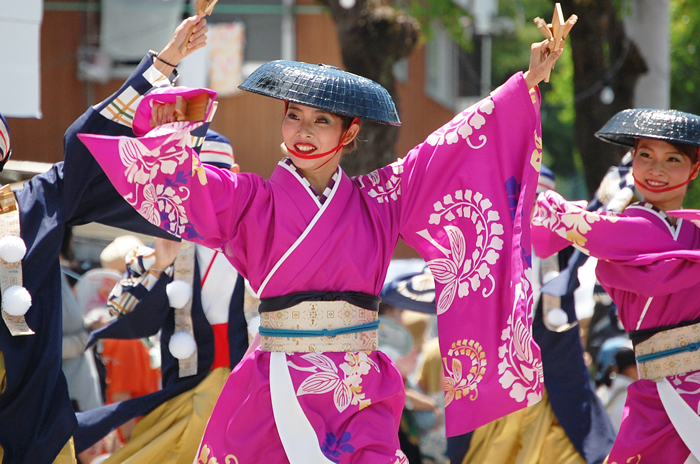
(321, 155)
(667, 189)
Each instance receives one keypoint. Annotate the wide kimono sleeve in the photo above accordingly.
(161, 177)
(462, 199)
(637, 251)
(77, 187)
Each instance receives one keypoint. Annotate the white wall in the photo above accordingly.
(20, 84)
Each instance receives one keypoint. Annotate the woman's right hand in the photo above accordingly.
(182, 43)
(542, 60)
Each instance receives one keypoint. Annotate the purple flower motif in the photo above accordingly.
(333, 448)
(513, 190)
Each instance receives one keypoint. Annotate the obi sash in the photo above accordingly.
(319, 322)
(670, 351)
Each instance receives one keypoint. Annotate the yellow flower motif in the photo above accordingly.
(205, 459)
(458, 385)
(536, 158)
(580, 223)
(199, 171)
(633, 460)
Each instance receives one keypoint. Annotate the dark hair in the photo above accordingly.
(624, 358)
(346, 122)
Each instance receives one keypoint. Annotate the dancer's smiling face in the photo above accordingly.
(659, 165)
(311, 131)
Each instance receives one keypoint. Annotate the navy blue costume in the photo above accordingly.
(151, 314)
(36, 415)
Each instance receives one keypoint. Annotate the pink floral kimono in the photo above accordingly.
(650, 269)
(462, 199)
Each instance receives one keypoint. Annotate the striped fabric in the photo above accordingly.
(197, 141)
(122, 298)
(216, 152)
(156, 78)
(123, 108)
(662, 214)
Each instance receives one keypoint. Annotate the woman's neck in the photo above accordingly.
(319, 179)
(318, 175)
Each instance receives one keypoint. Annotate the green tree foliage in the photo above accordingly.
(511, 54)
(685, 53)
(445, 12)
(685, 75)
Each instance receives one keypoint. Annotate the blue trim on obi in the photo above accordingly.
(290, 333)
(663, 354)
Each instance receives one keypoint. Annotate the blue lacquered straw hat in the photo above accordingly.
(324, 87)
(667, 125)
(415, 291)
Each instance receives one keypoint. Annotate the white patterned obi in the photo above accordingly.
(674, 351)
(318, 327)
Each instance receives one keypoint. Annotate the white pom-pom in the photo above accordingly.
(179, 293)
(182, 345)
(557, 317)
(12, 248)
(16, 301)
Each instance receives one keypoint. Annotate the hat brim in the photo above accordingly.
(324, 87)
(403, 293)
(645, 123)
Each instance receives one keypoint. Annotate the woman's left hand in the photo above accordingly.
(162, 113)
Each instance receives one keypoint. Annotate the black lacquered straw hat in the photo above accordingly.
(415, 291)
(666, 125)
(324, 87)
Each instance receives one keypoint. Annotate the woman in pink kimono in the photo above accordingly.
(315, 246)
(649, 257)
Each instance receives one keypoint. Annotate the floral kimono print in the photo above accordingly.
(649, 267)
(462, 199)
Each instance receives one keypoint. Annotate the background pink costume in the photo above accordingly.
(650, 269)
(462, 199)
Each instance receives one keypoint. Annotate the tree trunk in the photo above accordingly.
(603, 56)
(373, 36)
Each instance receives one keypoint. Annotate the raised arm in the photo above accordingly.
(86, 194)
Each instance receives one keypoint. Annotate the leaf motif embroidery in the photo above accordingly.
(318, 383)
(322, 362)
(342, 396)
(457, 244)
(346, 391)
